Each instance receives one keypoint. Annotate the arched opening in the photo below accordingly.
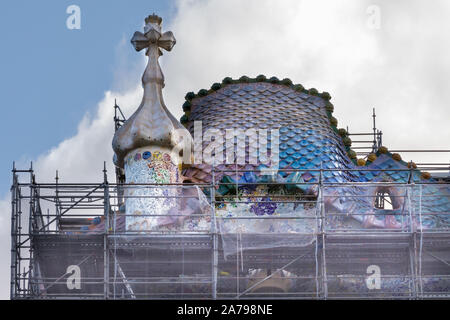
(383, 200)
(388, 198)
(389, 203)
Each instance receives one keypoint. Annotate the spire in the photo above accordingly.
(152, 124)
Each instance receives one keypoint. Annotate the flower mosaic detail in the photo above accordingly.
(157, 156)
(262, 204)
(160, 168)
(146, 155)
(166, 157)
(265, 207)
(149, 168)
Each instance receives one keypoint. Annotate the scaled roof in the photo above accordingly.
(308, 135)
(309, 140)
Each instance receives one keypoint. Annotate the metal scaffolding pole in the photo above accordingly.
(323, 231)
(215, 255)
(316, 246)
(14, 204)
(412, 241)
(105, 237)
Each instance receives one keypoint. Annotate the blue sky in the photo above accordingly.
(51, 76)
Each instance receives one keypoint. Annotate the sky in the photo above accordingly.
(58, 85)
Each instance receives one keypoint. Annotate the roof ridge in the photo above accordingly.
(396, 157)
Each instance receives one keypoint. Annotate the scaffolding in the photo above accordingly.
(55, 254)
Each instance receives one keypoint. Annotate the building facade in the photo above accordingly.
(255, 193)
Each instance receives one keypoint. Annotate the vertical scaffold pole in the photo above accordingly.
(56, 201)
(105, 237)
(31, 227)
(412, 242)
(317, 242)
(13, 287)
(420, 284)
(215, 266)
(214, 235)
(374, 146)
(322, 229)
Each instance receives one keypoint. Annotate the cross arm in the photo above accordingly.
(139, 41)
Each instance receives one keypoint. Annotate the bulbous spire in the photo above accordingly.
(152, 124)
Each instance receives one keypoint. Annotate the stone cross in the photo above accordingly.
(152, 35)
(152, 39)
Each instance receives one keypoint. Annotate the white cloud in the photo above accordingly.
(80, 158)
(401, 69)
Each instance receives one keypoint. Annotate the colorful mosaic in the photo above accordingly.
(280, 216)
(310, 141)
(149, 167)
